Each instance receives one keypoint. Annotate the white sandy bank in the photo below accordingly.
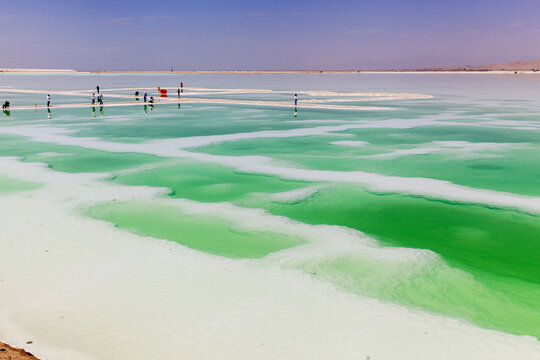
(81, 289)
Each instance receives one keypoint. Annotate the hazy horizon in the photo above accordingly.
(247, 35)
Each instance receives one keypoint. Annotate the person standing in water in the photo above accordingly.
(295, 100)
(93, 98)
(5, 109)
(97, 88)
(178, 92)
(48, 100)
(181, 87)
(144, 97)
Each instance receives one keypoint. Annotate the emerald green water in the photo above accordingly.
(501, 242)
(475, 262)
(494, 303)
(512, 169)
(207, 182)
(204, 233)
(71, 159)
(497, 252)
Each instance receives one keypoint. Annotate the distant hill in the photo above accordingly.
(515, 65)
(509, 66)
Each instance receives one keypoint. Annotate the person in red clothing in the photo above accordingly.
(162, 92)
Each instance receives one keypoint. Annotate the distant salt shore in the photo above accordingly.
(37, 70)
(248, 72)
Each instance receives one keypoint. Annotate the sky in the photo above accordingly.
(265, 35)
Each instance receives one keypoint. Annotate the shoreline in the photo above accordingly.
(6, 70)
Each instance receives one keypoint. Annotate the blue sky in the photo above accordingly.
(239, 34)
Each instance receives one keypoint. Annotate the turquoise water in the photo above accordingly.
(478, 131)
(9, 185)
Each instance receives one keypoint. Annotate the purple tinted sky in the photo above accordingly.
(251, 34)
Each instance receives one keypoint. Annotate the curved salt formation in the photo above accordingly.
(429, 188)
(205, 101)
(464, 148)
(188, 98)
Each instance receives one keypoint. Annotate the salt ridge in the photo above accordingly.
(425, 187)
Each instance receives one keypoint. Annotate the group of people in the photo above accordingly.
(162, 93)
(145, 100)
(145, 97)
(99, 98)
(5, 105)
